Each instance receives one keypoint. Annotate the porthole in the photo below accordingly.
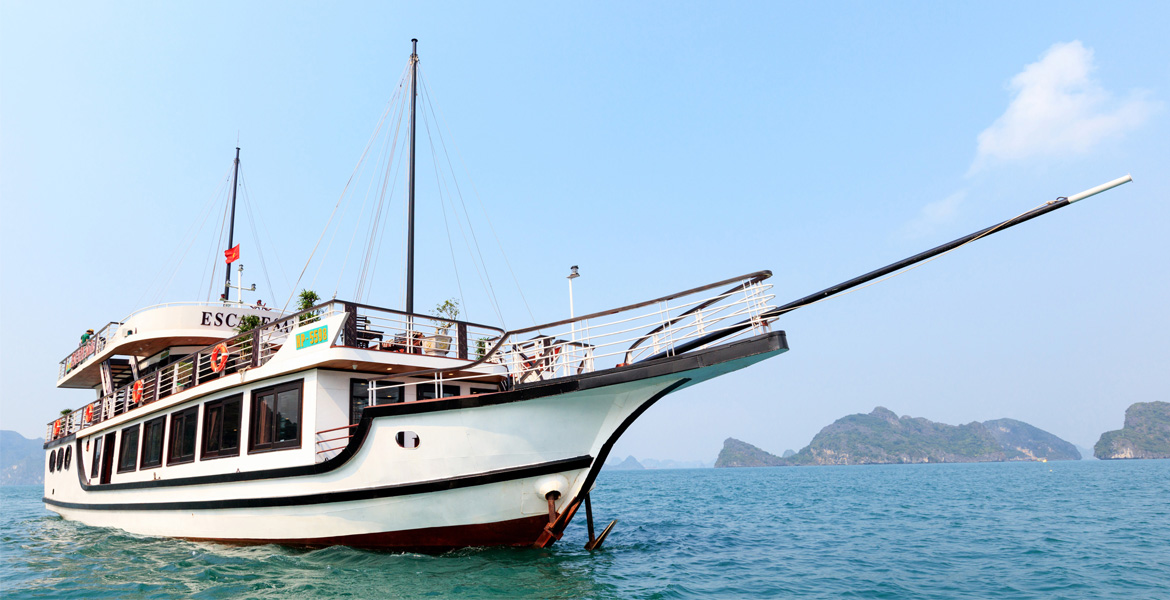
(53, 460)
(60, 458)
(68, 455)
(407, 439)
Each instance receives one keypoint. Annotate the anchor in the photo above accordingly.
(594, 543)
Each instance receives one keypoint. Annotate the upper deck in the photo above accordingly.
(149, 331)
(351, 336)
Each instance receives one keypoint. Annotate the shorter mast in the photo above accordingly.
(227, 286)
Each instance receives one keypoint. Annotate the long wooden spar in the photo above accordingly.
(891, 268)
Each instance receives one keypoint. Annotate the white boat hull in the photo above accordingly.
(479, 476)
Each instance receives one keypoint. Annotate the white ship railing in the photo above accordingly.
(98, 341)
(682, 322)
(245, 351)
(369, 327)
(620, 337)
(85, 351)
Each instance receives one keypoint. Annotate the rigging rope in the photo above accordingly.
(485, 282)
(256, 239)
(483, 209)
(268, 236)
(185, 244)
(334, 212)
(215, 250)
(485, 276)
(369, 258)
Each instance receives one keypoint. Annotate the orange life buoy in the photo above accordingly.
(137, 394)
(89, 413)
(57, 428)
(219, 357)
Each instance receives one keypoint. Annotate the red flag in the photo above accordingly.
(232, 255)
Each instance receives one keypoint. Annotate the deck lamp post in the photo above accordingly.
(573, 326)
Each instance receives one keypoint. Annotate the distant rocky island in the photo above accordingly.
(21, 460)
(633, 464)
(629, 464)
(882, 437)
(1146, 434)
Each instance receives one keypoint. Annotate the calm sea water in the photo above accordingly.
(1007, 530)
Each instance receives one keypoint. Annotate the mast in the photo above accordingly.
(410, 175)
(227, 286)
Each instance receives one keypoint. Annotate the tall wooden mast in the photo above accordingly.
(410, 175)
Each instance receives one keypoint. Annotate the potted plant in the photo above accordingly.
(439, 344)
(307, 299)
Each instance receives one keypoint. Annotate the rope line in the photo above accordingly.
(483, 209)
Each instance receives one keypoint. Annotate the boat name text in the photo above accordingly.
(219, 319)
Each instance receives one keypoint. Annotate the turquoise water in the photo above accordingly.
(1004, 530)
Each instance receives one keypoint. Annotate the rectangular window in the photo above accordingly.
(128, 450)
(184, 426)
(221, 427)
(359, 396)
(482, 391)
(426, 391)
(152, 442)
(97, 457)
(276, 417)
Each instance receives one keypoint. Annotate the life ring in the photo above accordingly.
(56, 428)
(219, 357)
(89, 413)
(137, 394)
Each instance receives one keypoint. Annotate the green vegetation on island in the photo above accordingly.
(742, 454)
(882, 437)
(1146, 434)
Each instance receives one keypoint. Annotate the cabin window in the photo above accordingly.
(184, 426)
(52, 461)
(407, 439)
(276, 417)
(128, 450)
(60, 458)
(68, 455)
(152, 442)
(221, 427)
(97, 457)
(474, 391)
(426, 391)
(359, 396)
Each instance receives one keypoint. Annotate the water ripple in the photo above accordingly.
(1009, 530)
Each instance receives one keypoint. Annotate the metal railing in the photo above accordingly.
(620, 337)
(245, 351)
(391, 330)
(335, 443)
(368, 327)
(688, 320)
(95, 344)
(98, 342)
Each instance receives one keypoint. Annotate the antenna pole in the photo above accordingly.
(410, 198)
(227, 286)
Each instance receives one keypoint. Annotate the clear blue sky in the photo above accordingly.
(659, 146)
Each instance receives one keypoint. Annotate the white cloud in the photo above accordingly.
(934, 215)
(1059, 110)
